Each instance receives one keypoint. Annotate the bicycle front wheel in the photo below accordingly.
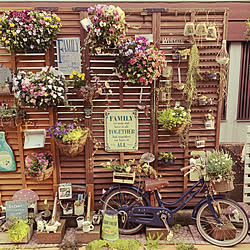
(124, 197)
(231, 231)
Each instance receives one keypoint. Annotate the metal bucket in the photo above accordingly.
(110, 229)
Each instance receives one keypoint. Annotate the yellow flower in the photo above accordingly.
(7, 41)
(58, 19)
(54, 15)
(0, 32)
(79, 75)
(14, 33)
(8, 31)
(3, 38)
(83, 76)
(71, 76)
(74, 72)
(12, 25)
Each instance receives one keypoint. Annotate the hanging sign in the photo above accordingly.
(121, 130)
(68, 54)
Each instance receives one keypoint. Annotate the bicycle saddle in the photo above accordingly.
(151, 185)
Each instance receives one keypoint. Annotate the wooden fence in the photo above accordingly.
(165, 25)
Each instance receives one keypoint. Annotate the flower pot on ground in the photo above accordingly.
(39, 165)
(42, 90)
(28, 30)
(139, 62)
(174, 119)
(70, 138)
(166, 158)
(219, 170)
(106, 26)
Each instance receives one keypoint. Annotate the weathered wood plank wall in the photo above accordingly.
(151, 137)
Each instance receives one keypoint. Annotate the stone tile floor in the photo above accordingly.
(188, 234)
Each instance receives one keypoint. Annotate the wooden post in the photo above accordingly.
(220, 99)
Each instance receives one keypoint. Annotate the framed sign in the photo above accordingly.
(68, 54)
(16, 209)
(121, 130)
(65, 191)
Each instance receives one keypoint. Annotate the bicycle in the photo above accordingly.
(219, 220)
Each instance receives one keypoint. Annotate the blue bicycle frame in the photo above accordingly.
(151, 215)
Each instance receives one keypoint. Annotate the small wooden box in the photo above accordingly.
(85, 238)
(128, 178)
(4, 238)
(52, 238)
(155, 231)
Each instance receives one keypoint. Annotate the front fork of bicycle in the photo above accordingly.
(215, 208)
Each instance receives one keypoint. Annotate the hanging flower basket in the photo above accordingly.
(73, 149)
(39, 166)
(139, 62)
(106, 26)
(42, 90)
(69, 138)
(28, 31)
(223, 185)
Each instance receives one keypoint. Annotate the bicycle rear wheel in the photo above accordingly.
(124, 197)
(235, 223)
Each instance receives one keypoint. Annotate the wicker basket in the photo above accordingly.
(177, 130)
(72, 149)
(223, 186)
(42, 176)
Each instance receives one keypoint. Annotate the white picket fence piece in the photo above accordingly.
(246, 191)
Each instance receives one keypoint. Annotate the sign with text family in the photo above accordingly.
(121, 130)
(68, 54)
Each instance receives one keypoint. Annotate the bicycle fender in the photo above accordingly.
(201, 202)
(119, 186)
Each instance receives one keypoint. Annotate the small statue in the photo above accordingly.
(40, 226)
(53, 227)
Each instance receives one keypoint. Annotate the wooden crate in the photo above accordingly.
(155, 231)
(128, 178)
(52, 238)
(4, 238)
(85, 238)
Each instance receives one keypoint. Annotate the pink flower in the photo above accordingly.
(144, 62)
(111, 30)
(141, 79)
(139, 66)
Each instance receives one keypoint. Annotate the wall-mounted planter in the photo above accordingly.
(34, 138)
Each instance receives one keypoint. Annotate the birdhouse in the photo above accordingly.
(27, 195)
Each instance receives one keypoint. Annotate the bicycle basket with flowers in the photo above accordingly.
(28, 30)
(219, 171)
(89, 90)
(105, 25)
(138, 61)
(69, 138)
(39, 165)
(42, 90)
(174, 119)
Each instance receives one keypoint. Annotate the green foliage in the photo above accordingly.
(74, 135)
(173, 117)
(219, 165)
(153, 244)
(176, 228)
(192, 75)
(18, 230)
(166, 156)
(181, 245)
(13, 248)
(118, 245)
(116, 167)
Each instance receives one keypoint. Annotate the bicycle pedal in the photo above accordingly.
(170, 235)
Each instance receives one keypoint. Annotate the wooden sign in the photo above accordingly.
(16, 209)
(121, 130)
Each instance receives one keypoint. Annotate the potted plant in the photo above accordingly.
(89, 90)
(11, 117)
(202, 100)
(122, 173)
(39, 165)
(28, 30)
(70, 138)
(42, 90)
(139, 62)
(174, 119)
(212, 75)
(209, 121)
(18, 230)
(166, 158)
(105, 25)
(219, 170)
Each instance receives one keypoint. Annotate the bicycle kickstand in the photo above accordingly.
(170, 232)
